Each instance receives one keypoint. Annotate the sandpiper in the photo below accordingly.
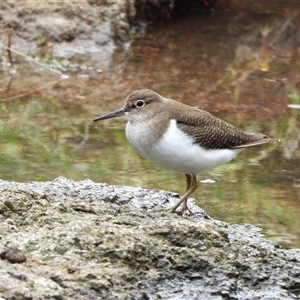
(181, 138)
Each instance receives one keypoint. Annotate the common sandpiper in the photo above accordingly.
(181, 138)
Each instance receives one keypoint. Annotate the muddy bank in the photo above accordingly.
(83, 240)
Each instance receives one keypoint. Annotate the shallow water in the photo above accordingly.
(220, 64)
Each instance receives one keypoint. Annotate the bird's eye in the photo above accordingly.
(140, 103)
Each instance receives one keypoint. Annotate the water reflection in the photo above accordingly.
(261, 186)
(199, 61)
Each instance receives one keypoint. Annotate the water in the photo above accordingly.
(220, 64)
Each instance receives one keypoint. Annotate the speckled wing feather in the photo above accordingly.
(213, 133)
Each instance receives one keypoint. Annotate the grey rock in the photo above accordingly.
(13, 255)
(86, 240)
(67, 28)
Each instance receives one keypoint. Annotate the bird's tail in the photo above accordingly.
(275, 141)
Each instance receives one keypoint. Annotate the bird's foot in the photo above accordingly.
(182, 211)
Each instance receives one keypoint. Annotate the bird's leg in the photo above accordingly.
(191, 186)
(188, 179)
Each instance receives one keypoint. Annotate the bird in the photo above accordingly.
(181, 138)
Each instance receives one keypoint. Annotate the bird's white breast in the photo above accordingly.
(175, 150)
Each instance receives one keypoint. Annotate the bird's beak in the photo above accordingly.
(116, 113)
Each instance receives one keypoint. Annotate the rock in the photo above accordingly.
(66, 28)
(86, 240)
(13, 255)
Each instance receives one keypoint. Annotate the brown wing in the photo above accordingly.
(213, 133)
